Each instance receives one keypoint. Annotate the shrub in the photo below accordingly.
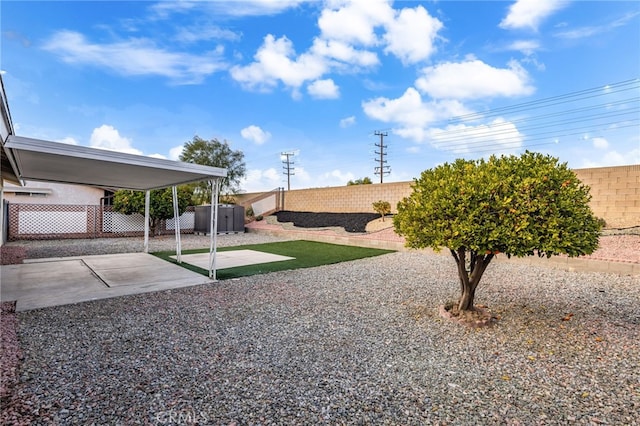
(519, 206)
(382, 207)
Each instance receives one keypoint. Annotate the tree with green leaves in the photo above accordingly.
(518, 206)
(215, 154)
(160, 204)
(362, 181)
(382, 208)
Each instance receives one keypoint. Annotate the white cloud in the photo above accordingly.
(412, 34)
(196, 32)
(302, 178)
(257, 180)
(498, 135)
(527, 47)
(412, 114)
(255, 134)
(578, 33)
(275, 62)
(174, 153)
(165, 9)
(614, 158)
(134, 57)
(324, 89)
(590, 31)
(354, 21)
(600, 143)
(474, 79)
(410, 110)
(163, 157)
(344, 53)
(414, 118)
(347, 122)
(336, 178)
(530, 13)
(107, 137)
(68, 140)
(347, 30)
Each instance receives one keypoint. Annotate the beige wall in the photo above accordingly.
(57, 193)
(346, 199)
(615, 195)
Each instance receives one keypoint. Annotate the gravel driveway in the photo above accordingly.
(351, 343)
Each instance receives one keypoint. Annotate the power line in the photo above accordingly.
(473, 135)
(554, 100)
(613, 110)
(564, 112)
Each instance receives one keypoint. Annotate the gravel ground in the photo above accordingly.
(351, 343)
(79, 247)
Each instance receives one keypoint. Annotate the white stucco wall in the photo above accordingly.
(60, 194)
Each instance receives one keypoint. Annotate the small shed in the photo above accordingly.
(230, 219)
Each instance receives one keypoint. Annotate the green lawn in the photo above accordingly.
(307, 255)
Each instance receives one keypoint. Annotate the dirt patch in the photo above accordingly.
(12, 255)
(379, 224)
(480, 316)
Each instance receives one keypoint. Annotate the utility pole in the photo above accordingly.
(288, 170)
(381, 169)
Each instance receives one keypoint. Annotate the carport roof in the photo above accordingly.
(40, 160)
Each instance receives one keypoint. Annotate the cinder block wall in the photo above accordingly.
(615, 195)
(346, 199)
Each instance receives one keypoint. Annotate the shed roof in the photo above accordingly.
(40, 160)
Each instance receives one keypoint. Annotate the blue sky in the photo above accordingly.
(320, 79)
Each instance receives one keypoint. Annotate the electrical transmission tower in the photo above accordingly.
(382, 169)
(288, 170)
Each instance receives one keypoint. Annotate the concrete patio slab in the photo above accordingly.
(134, 269)
(41, 283)
(63, 281)
(231, 259)
(33, 285)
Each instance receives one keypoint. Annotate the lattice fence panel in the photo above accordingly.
(187, 221)
(120, 223)
(34, 221)
(51, 221)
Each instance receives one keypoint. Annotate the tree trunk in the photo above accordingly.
(469, 280)
(153, 226)
(466, 299)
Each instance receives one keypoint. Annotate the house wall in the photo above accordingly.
(615, 195)
(60, 194)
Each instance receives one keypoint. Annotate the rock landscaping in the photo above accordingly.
(351, 222)
(353, 343)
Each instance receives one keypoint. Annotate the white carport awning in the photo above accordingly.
(39, 160)
(46, 161)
